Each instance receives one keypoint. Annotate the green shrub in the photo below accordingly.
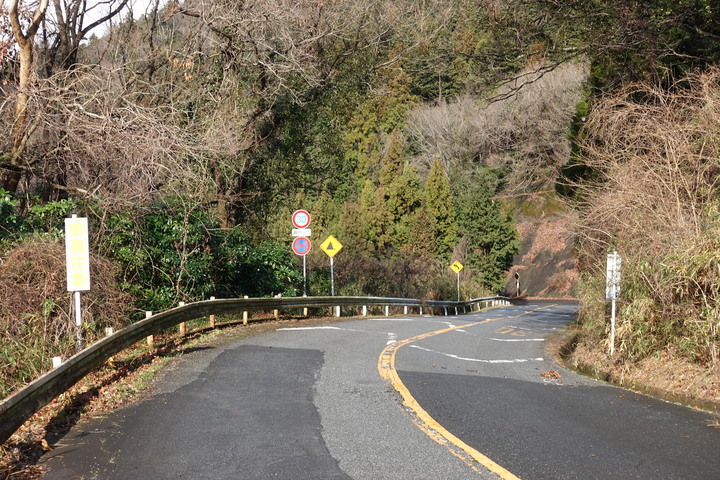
(175, 251)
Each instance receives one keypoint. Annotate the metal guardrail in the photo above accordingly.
(21, 405)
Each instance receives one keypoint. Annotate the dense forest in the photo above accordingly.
(189, 132)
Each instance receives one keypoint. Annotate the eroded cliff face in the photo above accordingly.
(546, 263)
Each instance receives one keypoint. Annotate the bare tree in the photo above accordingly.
(24, 36)
(70, 23)
(524, 132)
(99, 143)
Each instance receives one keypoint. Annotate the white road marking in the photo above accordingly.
(520, 328)
(392, 338)
(325, 328)
(515, 360)
(518, 339)
(312, 328)
(391, 319)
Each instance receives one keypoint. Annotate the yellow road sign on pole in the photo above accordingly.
(456, 267)
(331, 246)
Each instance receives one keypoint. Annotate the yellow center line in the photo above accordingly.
(426, 423)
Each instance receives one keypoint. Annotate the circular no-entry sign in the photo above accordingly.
(301, 246)
(301, 218)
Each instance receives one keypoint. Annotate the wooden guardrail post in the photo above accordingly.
(109, 331)
(245, 314)
(150, 338)
(182, 324)
(276, 312)
(212, 316)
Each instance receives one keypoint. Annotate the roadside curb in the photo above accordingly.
(566, 348)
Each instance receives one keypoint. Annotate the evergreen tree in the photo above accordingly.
(439, 207)
(491, 234)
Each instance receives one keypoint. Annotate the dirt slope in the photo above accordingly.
(546, 265)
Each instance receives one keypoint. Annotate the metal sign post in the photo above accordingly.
(77, 257)
(612, 291)
(456, 267)
(304, 276)
(331, 246)
(301, 245)
(332, 277)
(458, 286)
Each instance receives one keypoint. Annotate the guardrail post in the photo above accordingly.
(305, 310)
(456, 310)
(212, 316)
(445, 311)
(364, 311)
(182, 324)
(405, 310)
(421, 310)
(276, 312)
(337, 311)
(245, 315)
(387, 310)
(150, 338)
(108, 331)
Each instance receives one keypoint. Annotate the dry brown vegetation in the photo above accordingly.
(36, 323)
(654, 154)
(520, 131)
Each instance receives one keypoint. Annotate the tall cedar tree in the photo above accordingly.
(439, 206)
(492, 238)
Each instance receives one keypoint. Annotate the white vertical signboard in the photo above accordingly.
(612, 290)
(77, 254)
(77, 258)
(612, 276)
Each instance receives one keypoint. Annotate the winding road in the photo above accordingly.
(459, 397)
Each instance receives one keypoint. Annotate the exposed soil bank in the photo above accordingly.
(664, 376)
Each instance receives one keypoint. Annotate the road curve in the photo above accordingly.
(336, 401)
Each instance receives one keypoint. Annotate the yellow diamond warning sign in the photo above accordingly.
(456, 267)
(331, 246)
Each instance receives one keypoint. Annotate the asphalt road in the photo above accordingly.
(396, 398)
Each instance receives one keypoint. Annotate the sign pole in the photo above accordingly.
(78, 320)
(77, 259)
(304, 276)
(458, 274)
(612, 291)
(332, 277)
(331, 246)
(456, 267)
(612, 328)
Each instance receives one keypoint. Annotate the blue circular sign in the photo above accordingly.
(301, 246)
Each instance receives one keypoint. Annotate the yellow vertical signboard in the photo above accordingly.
(77, 254)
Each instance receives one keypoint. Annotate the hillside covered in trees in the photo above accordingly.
(189, 132)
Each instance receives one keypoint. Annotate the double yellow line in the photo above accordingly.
(426, 423)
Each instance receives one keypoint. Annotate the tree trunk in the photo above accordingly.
(25, 44)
